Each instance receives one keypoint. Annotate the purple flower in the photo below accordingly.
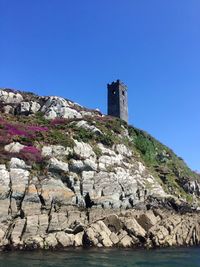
(37, 128)
(14, 130)
(30, 149)
(31, 154)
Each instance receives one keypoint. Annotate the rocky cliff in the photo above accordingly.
(70, 176)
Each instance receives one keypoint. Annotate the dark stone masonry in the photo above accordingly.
(118, 100)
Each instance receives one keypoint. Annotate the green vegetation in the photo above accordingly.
(40, 119)
(163, 162)
(107, 139)
(35, 131)
(97, 151)
(109, 128)
(152, 151)
(59, 137)
(84, 135)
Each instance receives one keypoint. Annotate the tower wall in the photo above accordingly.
(118, 100)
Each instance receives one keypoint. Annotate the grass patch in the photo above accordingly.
(155, 154)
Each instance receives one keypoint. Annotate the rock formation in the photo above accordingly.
(70, 176)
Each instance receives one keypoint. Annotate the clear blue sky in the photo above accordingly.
(73, 48)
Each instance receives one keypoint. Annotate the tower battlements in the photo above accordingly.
(119, 82)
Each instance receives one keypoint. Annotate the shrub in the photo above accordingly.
(97, 151)
(56, 136)
(84, 135)
(146, 147)
(106, 139)
(36, 128)
(4, 139)
(4, 156)
(114, 124)
(40, 119)
(31, 154)
(14, 130)
(23, 140)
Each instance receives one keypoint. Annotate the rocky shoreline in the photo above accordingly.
(103, 229)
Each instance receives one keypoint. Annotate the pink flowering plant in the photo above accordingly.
(33, 131)
(19, 132)
(36, 128)
(31, 154)
(15, 130)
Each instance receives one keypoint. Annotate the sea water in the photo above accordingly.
(173, 257)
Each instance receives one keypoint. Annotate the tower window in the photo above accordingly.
(114, 92)
(123, 93)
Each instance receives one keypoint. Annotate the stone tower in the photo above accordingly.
(118, 100)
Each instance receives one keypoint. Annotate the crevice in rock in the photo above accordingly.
(130, 200)
(24, 229)
(22, 214)
(81, 187)
(19, 206)
(67, 182)
(88, 215)
(138, 194)
(122, 188)
(88, 202)
(41, 200)
(9, 231)
(10, 197)
(141, 239)
(49, 217)
(121, 197)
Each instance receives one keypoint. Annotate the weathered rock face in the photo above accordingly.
(192, 187)
(92, 193)
(58, 107)
(72, 229)
(112, 180)
(14, 102)
(81, 203)
(175, 230)
(10, 97)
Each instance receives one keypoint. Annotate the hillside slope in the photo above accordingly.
(68, 173)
